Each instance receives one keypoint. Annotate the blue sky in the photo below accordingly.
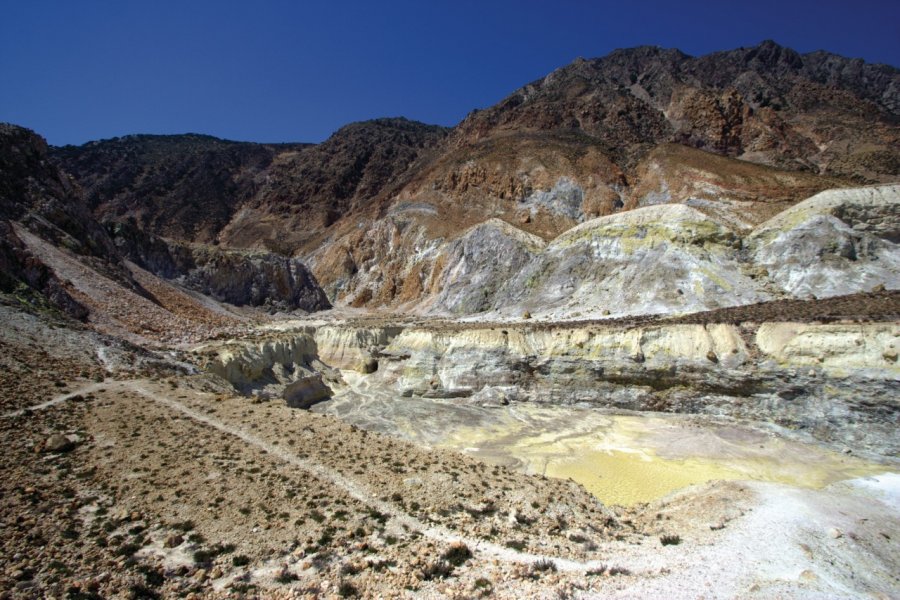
(272, 70)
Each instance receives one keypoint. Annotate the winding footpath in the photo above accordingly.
(349, 485)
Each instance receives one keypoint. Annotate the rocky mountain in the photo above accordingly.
(391, 213)
(201, 189)
(182, 187)
(739, 136)
(627, 283)
(771, 105)
(54, 249)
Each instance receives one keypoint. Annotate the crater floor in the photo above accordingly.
(621, 458)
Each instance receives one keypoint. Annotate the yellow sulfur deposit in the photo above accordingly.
(630, 459)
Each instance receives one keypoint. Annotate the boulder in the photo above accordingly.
(58, 443)
(306, 391)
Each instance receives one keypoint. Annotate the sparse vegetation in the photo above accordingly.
(669, 540)
(438, 569)
(457, 554)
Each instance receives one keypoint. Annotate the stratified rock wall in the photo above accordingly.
(834, 382)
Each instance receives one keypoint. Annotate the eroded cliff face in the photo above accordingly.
(833, 382)
(668, 258)
(271, 360)
(837, 242)
(302, 366)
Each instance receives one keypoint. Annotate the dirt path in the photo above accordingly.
(802, 543)
(57, 400)
(348, 485)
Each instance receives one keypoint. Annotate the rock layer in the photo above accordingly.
(833, 382)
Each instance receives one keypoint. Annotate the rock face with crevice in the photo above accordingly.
(39, 199)
(837, 242)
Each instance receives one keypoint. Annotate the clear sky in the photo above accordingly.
(281, 70)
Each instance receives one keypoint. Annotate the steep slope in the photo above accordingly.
(34, 193)
(739, 136)
(183, 187)
(202, 189)
(52, 249)
(766, 104)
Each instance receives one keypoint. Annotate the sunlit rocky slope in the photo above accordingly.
(389, 213)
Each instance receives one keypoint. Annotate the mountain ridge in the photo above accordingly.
(740, 135)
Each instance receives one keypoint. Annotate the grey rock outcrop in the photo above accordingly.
(306, 391)
(255, 279)
(480, 264)
(837, 242)
(675, 259)
(239, 277)
(58, 443)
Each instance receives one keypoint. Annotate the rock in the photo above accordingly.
(369, 365)
(815, 248)
(808, 575)
(306, 391)
(58, 443)
(173, 541)
(480, 262)
(495, 396)
(835, 533)
(711, 357)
